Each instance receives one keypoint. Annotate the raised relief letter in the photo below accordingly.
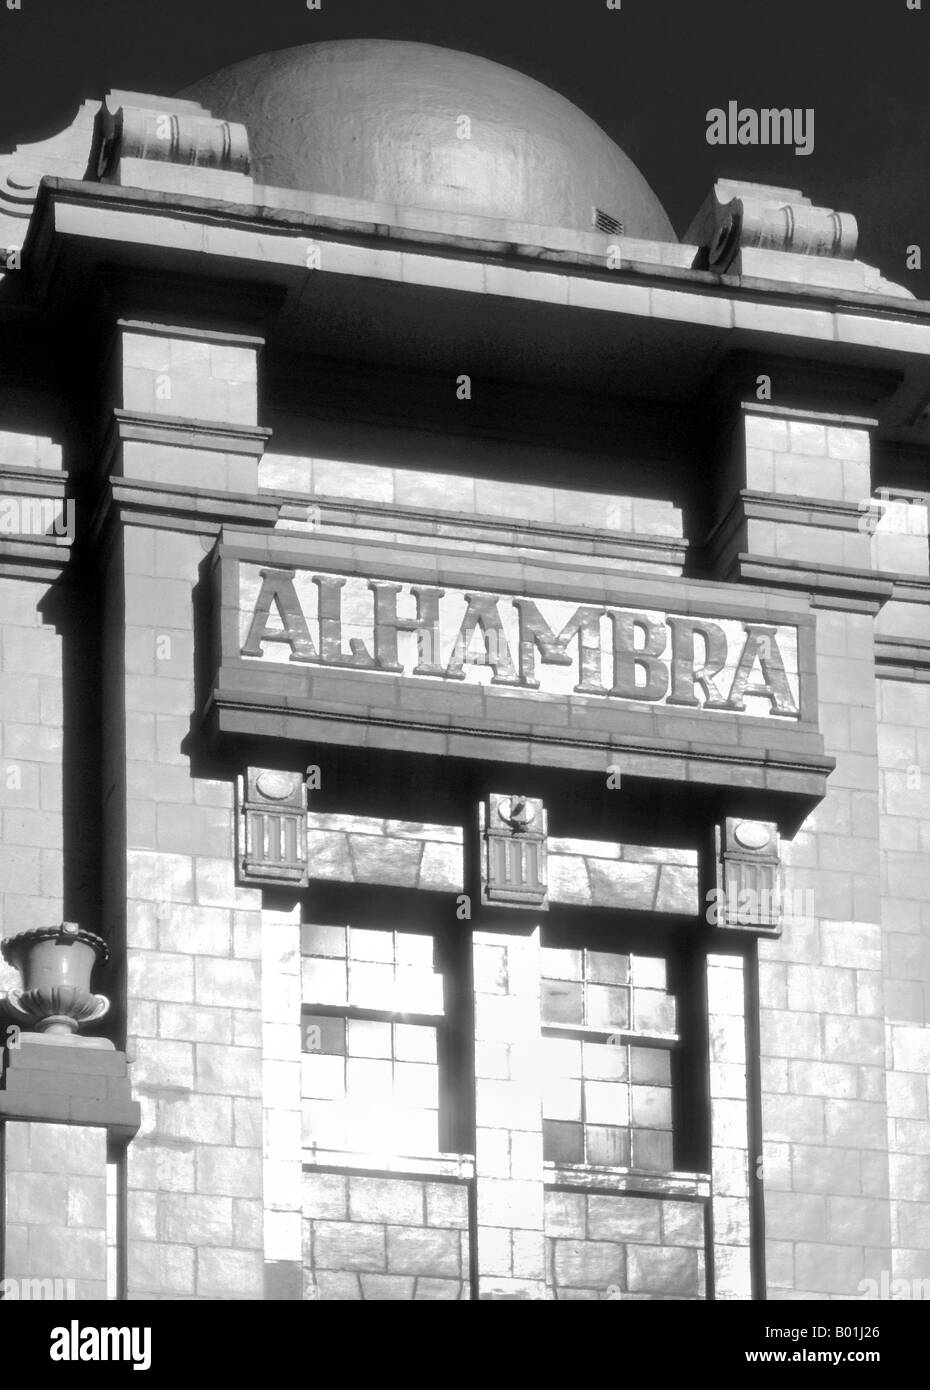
(278, 589)
(425, 625)
(331, 653)
(536, 634)
(685, 676)
(482, 616)
(761, 646)
(627, 657)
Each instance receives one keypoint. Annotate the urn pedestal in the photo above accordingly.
(55, 964)
(66, 1109)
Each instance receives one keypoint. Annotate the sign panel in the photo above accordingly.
(553, 647)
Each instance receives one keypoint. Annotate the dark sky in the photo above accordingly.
(647, 73)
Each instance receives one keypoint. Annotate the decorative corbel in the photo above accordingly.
(748, 877)
(272, 826)
(513, 832)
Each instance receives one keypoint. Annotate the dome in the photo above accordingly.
(380, 120)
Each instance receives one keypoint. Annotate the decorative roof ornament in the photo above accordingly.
(166, 131)
(752, 216)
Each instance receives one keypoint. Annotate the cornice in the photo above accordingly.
(837, 587)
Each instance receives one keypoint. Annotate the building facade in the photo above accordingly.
(465, 667)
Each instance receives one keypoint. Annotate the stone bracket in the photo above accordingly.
(514, 831)
(748, 877)
(272, 827)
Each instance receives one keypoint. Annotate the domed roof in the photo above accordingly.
(379, 120)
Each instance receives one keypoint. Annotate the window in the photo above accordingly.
(372, 1017)
(609, 1028)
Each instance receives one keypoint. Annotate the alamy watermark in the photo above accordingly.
(38, 1290)
(38, 516)
(887, 1288)
(750, 906)
(767, 125)
(903, 514)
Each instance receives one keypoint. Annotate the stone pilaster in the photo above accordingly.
(510, 1255)
(281, 1102)
(803, 482)
(186, 417)
(729, 1126)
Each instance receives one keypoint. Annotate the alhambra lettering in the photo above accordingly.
(549, 646)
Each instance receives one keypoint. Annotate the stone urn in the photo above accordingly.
(55, 964)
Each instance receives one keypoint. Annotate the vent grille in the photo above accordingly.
(605, 223)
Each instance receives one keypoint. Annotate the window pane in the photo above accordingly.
(649, 972)
(418, 991)
(322, 1077)
(371, 986)
(368, 1080)
(562, 1002)
(563, 1143)
(416, 1085)
(605, 1061)
(652, 1106)
(652, 1149)
(608, 1007)
(371, 945)
(322, 1033)
(323, 981)
(414, 949)
(653, 1011)
(560, 965)
(323, 941)
(604, 969)
(606, 1103)
(414, 1043)
(608, 1146)
(651, 1066)
(368, 1038)
(324, 1124)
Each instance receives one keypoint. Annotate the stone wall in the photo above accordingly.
(378, 1238)
(615, 1246)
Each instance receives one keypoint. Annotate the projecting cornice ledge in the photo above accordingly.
(178, 508)
(796, 767)
(851, 590)
(902, 659)
(176, 432)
